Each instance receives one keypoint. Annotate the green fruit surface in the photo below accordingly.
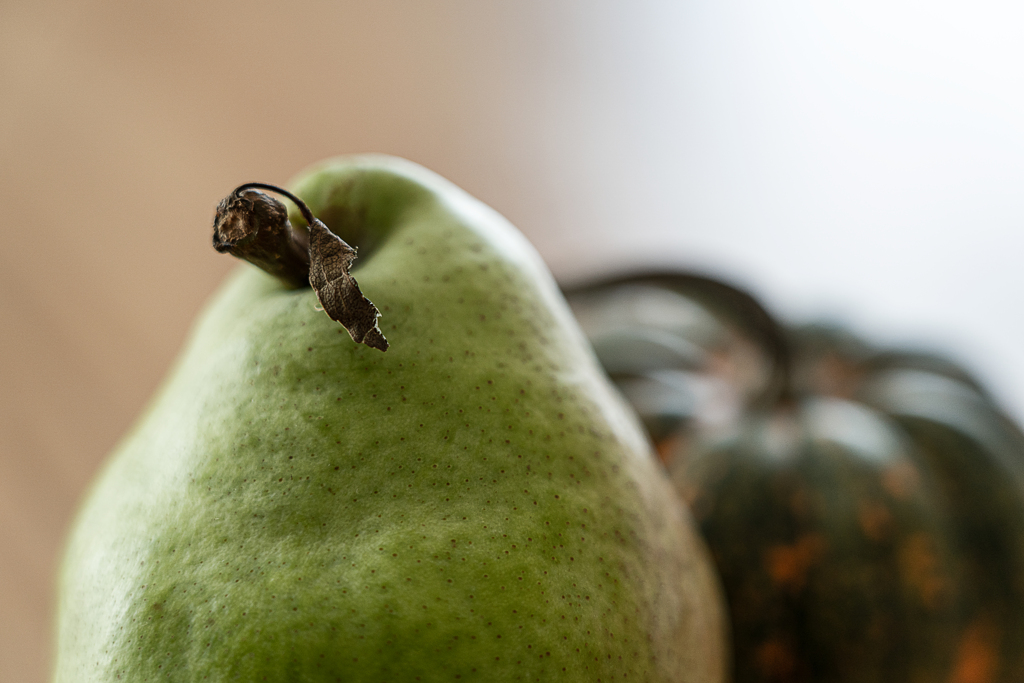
(475, 504)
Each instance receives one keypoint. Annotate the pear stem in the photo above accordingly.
(254, 227)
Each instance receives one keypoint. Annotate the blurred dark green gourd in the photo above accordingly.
(975, 454)
(864, 506)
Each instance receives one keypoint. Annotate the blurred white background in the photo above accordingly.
(861, 161)
(856, 160)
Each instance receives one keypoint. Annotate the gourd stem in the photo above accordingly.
(766, 330)
(741, 310)
(752, 318)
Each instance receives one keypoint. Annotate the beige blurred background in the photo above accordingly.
(863, 162)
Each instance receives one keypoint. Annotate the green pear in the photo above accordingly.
(475, 504)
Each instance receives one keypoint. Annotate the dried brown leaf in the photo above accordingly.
(330, 259)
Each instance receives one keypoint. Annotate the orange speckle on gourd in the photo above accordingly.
(976, 656)
(919, 566)
(875, 520)
(788, 564)
(776, 660)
